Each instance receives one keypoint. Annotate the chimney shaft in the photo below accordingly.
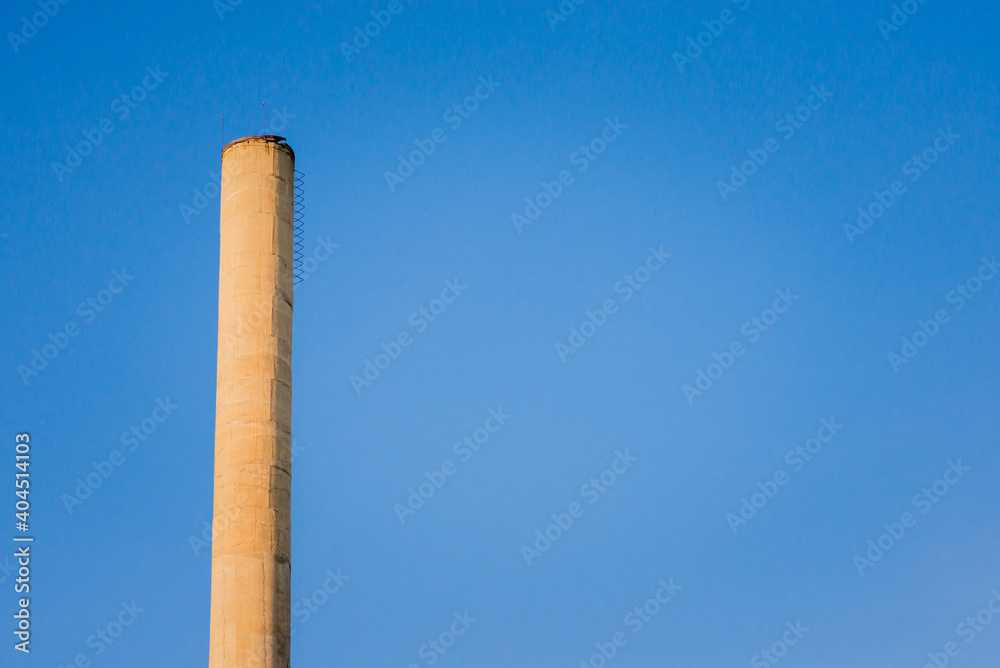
(251, 542)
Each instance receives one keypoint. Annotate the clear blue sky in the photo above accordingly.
(641, 204)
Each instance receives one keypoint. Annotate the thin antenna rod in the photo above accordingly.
(223, 131)
(264, 117)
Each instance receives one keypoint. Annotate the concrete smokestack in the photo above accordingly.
(251, 547)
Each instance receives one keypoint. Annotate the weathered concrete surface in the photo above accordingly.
(251, 601)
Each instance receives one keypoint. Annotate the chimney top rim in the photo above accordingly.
(266, 139)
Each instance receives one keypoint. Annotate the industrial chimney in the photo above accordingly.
(251, 572)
